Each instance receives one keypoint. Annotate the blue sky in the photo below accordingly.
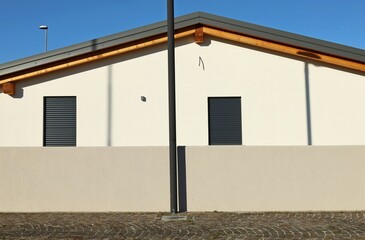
(75, 21)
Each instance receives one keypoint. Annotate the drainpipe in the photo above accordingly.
(172, 105)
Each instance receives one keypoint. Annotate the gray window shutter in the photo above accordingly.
(59, 121)
(225, 127)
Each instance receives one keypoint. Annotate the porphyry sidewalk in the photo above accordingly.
(210, 225)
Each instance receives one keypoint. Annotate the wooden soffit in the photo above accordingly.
(281, 48)
(198, 33)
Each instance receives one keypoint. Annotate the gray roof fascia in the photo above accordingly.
(181, 22)
(81, 48)
(95, 44)
(279, 36)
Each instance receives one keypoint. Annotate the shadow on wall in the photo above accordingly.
(19, 92)
(181, 175)
(97, 64)
(308, 104)
(109, 106)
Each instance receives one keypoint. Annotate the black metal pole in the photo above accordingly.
(172, 104)
(46, 39)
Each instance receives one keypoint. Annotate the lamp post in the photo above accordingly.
(172, 105)
(45, 28)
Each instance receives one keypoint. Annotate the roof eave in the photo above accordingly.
(198, 18)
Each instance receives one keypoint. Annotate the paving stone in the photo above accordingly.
(211, 225)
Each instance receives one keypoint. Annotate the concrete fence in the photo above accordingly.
(84, 179)
(276, 178)
(223, 178)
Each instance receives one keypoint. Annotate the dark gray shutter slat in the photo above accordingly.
(225, 125)
(60, 121)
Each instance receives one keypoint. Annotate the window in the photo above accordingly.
(59, 121)
(224, 114)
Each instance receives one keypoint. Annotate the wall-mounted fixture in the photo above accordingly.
(143, 99)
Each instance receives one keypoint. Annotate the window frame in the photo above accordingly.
(215, 142)
(45, 122)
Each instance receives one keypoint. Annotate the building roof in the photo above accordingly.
(214, 25)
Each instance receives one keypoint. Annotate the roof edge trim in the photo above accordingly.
(199, 18)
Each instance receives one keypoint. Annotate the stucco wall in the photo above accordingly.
(84, 179)
(240, 178)
(338, 106)
(274, 110)
(297, 178)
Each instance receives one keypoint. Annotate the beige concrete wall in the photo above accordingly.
(272, 87)
(297, 178)
(84, 179)
(291, 178)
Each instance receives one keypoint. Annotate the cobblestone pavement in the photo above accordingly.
(212, 225)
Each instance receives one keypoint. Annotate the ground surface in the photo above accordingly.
(214, 225)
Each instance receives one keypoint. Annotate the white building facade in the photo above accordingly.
(122, 100)
(272, 93)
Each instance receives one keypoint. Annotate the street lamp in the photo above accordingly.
(45, 28)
